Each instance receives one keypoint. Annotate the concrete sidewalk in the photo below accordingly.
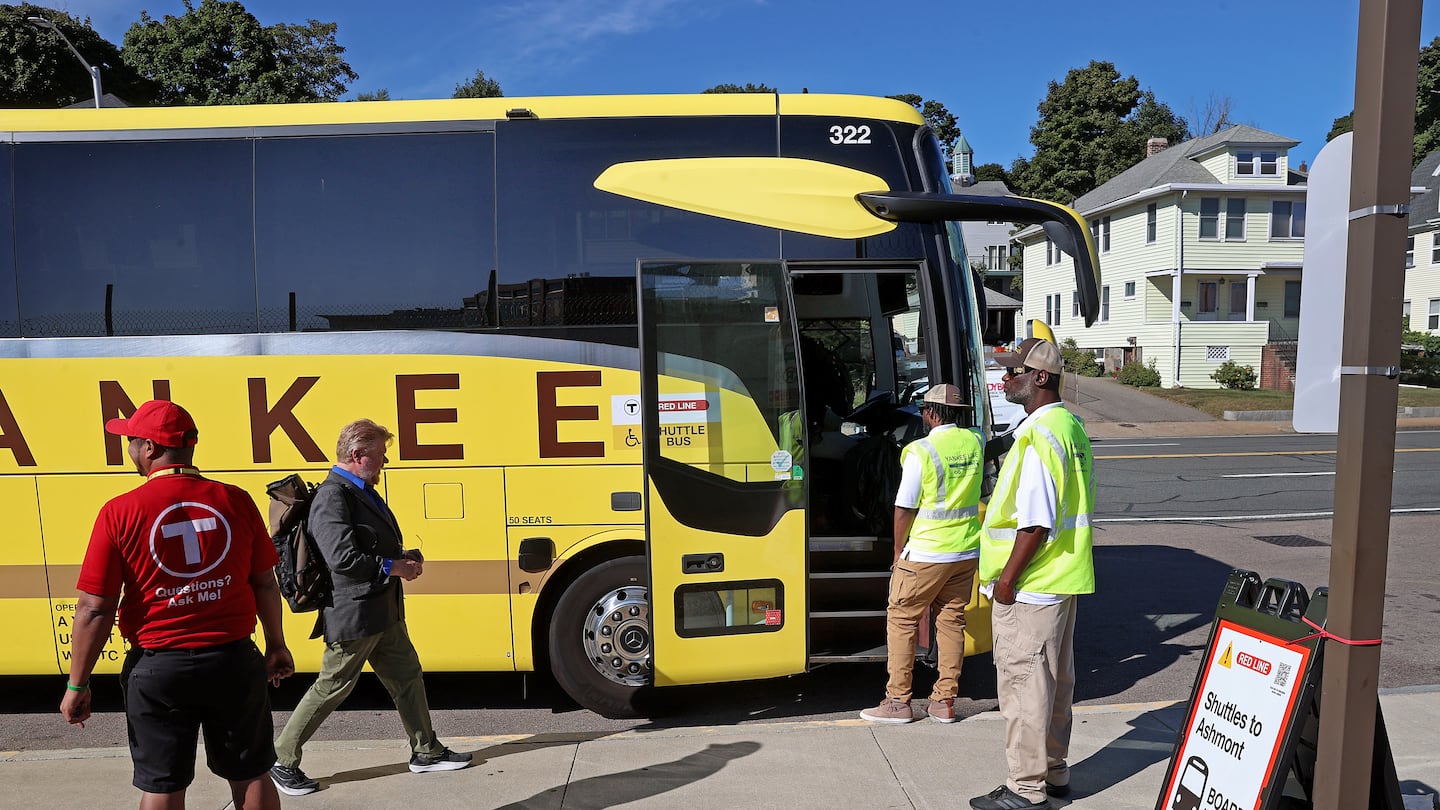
(1119, 756)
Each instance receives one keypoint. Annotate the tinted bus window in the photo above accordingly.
(137, 238)
(9, 310)
(885, 151)
(374, 231)
(568, 251)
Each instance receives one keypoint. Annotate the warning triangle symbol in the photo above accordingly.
(1225, 656)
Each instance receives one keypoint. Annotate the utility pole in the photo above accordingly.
(1385, 83)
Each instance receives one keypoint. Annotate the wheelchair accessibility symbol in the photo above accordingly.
(631, 440)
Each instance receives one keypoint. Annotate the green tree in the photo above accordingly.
(735, 88)
(478, 86)
(383, 94)
(37, 70)
(1341, 125)
(941, 121)
(218, 53)
(1092, 126)
(991, 171)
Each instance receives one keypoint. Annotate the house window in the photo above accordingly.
(996, 257)
(1209, 298)
(1235, 219)
(1075, 304)
(1249, 164)
(1405, 314)
(1209, 217)
(1100, 229)
(1287, 219)
(1152, 217)
(1105, 303)
(1410, 254)
(1052, 309)
(1051, 253)
(1129, 289)
(1435, 247)
(1433, 321)
(1292, 299)
(1217, 354)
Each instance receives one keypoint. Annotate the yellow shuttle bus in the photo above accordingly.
(640, 355)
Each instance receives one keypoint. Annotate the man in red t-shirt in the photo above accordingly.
(189, 565)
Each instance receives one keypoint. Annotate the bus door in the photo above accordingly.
(725, 472)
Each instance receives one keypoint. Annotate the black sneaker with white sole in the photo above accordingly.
(446, 760)
(292, 781)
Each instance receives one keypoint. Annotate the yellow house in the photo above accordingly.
(1422, 252)
(1201, 254)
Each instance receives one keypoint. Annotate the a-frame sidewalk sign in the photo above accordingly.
(1251, 731)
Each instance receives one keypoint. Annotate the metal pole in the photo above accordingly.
(42, 23)
(1385, 77)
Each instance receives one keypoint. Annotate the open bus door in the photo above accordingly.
(724, 449)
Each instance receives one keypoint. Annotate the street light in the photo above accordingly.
(42, 24)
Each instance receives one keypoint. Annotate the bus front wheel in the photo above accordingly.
(600, 649)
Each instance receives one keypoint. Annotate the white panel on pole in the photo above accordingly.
(1322, 290)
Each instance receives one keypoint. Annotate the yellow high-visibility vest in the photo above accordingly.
(952, 464)
(1064, 563)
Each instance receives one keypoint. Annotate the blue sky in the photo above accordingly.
(1288, 66)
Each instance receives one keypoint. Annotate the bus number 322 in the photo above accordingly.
(850, 134)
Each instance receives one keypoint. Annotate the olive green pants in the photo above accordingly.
(392, 657)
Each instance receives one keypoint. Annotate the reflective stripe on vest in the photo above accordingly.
(1063, 564)
(947, 519)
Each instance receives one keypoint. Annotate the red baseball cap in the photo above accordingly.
(158, 420)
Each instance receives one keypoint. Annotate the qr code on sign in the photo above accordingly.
(1282, 674)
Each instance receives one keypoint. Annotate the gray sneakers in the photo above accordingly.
(446, 760)
(292, 781)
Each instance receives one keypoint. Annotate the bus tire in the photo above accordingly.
(600, 644)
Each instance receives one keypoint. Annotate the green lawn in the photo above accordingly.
(1216, 401)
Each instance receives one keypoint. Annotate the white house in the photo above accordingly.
(1201, 248)
(1422, 250)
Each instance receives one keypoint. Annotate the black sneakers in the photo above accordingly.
(292, 781)
(1003, 798)
(446, 760)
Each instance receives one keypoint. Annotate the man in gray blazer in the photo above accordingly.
(365, 618)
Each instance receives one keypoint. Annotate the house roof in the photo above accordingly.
(1178, 164)
(999, 300)
(988, 188)
(1426, 207)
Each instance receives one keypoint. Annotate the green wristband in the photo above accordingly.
(81, 688)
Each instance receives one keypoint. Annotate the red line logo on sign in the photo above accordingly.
(676, 405)
(1249, 661)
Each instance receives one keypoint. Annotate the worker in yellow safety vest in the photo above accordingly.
(937, 550)
(1035, 558)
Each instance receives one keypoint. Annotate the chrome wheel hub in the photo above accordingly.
(617, 636)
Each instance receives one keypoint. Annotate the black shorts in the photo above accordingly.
(171, 694)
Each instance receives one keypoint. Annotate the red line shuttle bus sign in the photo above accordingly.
(1237, 721)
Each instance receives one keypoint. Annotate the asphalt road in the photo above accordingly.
(1176, 517)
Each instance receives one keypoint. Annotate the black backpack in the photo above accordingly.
(302, 574)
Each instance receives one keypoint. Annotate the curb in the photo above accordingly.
(1404, 412)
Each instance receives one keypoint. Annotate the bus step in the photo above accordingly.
(862, 543)
(847, 614)
(849, 575)
(871, 655)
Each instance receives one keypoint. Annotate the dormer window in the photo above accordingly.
(1250, 164)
